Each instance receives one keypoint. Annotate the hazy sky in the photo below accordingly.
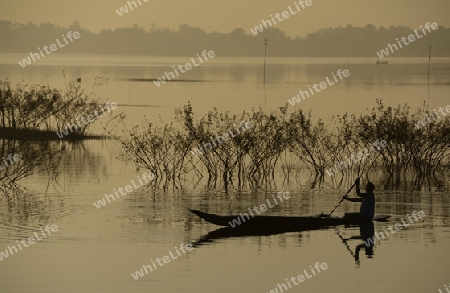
(224, 16)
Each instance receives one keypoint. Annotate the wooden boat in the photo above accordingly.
(284, 223)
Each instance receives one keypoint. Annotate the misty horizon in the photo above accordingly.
(349, 41)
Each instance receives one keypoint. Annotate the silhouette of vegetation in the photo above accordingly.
(340, 41)
(424, 150)
(35, 157)
(32, 112)
(253, 156)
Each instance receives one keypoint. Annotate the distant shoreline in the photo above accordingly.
(43, 135)
(63, 60)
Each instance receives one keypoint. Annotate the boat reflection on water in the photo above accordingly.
(273, 225)
(228, 232)
(367, 232)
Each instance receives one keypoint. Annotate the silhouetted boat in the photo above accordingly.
(285, 223)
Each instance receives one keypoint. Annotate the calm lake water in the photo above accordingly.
(96, 250)
(236, 84)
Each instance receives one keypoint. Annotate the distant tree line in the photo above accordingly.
(339, 41)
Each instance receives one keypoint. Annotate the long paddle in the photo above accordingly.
(342, 199)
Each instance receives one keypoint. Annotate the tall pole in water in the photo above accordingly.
(429, 58)
(129, 92)
(266, 42)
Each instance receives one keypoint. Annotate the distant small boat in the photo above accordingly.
(98, 80)
(382, 62)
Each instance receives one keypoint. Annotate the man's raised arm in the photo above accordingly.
(358, 191)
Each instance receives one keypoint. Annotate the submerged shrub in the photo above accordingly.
(169, 150)
(34, 107)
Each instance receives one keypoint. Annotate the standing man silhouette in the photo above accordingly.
(367, 200)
